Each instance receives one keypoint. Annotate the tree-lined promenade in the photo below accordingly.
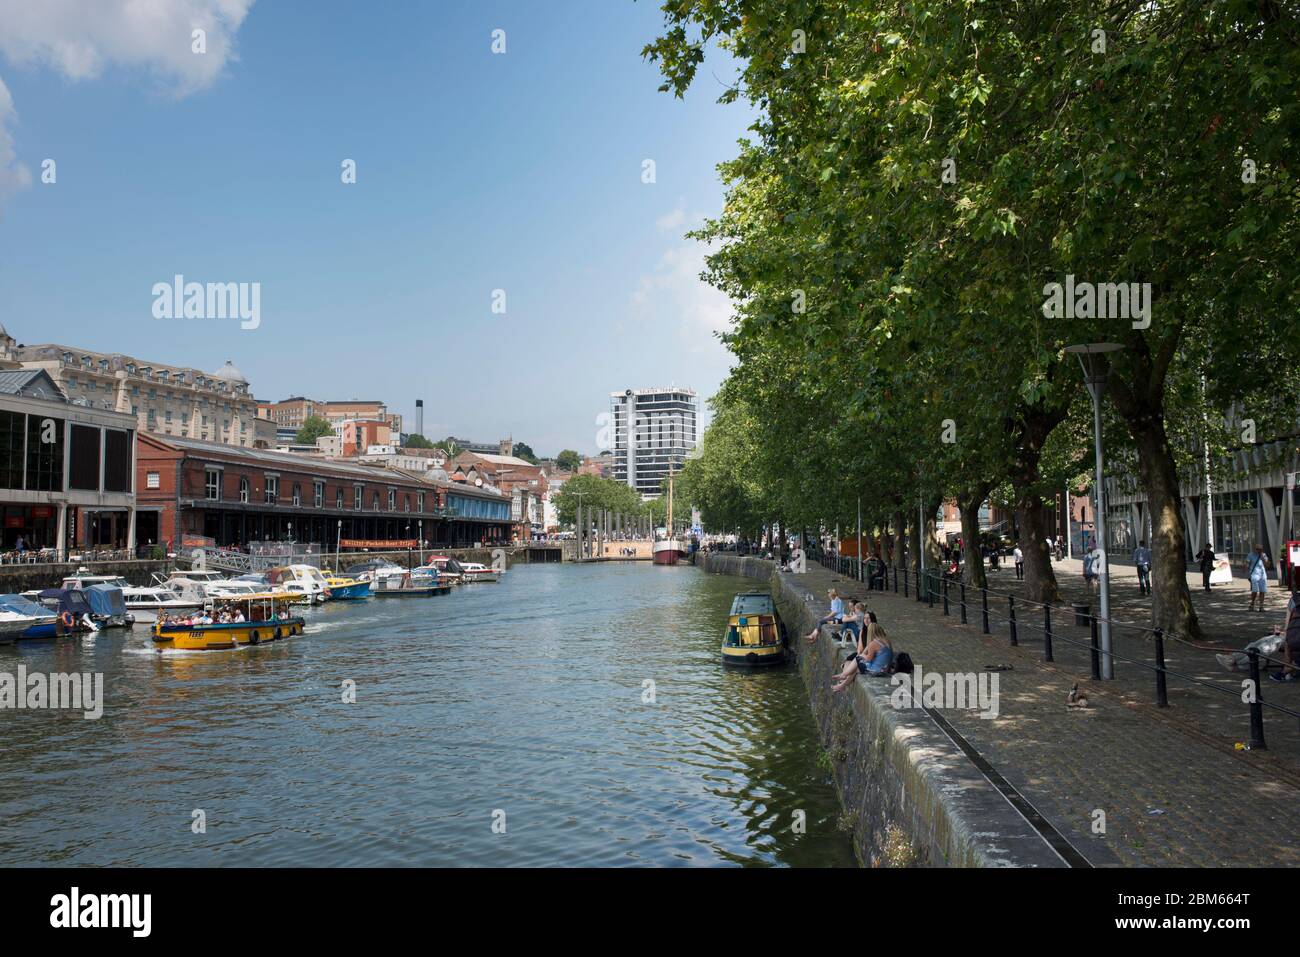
(938, 199)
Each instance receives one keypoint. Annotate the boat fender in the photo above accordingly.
(253, 637)
(277, 633)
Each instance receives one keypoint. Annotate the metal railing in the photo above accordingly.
(932, 586)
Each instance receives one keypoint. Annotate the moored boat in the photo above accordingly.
(668, 551)
(228, 622)
(28, 619)
(343, 588)
(409, 583)
(755, 635)
(478, 572)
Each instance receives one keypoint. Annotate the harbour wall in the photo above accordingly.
(913, 798)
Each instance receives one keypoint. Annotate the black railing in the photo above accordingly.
(930, 585)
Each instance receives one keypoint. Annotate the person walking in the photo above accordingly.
(1142, 561)
(1019, 557)
(1206, 557)
(1257, 573)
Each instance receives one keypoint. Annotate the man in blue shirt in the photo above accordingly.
(1142, 559)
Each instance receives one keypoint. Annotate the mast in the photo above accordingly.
(670, 504)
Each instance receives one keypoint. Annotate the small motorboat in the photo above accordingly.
(25, 618)
(304, 582)
(71, 607)
(343, 588)
(409, 583)
(477, 572)
(448, 570)
(228, 621)
(755, 635)
(108, 606)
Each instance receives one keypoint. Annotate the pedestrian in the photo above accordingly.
(1142, 561)
(1291, 633)
(21, 544)
(1257, 573)
(1019, 557)
(1090, 575)
(1206, 558)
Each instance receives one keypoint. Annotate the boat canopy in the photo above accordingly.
(24, 606)
(105, 600)
(66, 599)
(370, 566)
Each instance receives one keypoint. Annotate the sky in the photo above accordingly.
(476, 172)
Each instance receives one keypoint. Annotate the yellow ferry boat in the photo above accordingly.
(755, 634)
(265, 617)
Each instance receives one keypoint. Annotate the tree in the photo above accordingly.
(568, 461)
(415, 441)
(524, 451)
(313, 427)
(592, 491)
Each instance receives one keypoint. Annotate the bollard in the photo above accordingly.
(1011, 618)
(929, 588)
(1096, 650)
(1047, 633)
(1256, 707)
(906, 579)
(896, 582)
(945, 594)
(984, 601)
(918, 586)
(1162, 692)
(963, 603)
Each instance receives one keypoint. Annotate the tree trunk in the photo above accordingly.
(914, 546)
(900, 539)
(933, 554)
(1171, 600)
(1040, 578)
(969, 506)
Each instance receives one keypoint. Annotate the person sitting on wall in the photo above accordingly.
(837, 613)
(874, 657)
(851, 624)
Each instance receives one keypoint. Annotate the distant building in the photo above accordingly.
(654, 431)
(358, 435)
(482, 448)
(525, 483)
(295, 410)
(165, 399)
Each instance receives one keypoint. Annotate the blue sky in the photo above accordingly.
(475, 172)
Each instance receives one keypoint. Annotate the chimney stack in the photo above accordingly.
(419, 417)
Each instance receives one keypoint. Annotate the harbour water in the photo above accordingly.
(521, 704)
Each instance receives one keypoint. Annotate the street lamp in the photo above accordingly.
(338, 548)
(1092, 357)
(421, 541)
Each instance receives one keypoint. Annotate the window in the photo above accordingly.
(297, 494)
(83, 472)
(151, 480)
(358, 494)
(44, 454)
(13, 426)
(392, 500)
(419, 501)
(374, 505)
(119, 471)
(212, 484)
(272, 489)
(338, 497)
(243, 490)
(407, 500)
(320, 495)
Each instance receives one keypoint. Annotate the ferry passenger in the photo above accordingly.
(875, 656)
(239, 616)
(837, 613)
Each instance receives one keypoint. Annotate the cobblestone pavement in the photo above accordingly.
(1173, 786)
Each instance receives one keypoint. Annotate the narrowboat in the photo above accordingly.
(755, 635)
(229, 621)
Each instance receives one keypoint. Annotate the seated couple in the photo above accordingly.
(874, 656)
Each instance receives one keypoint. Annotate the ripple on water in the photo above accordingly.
(523, 698)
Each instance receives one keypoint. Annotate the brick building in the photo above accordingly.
(204, 491)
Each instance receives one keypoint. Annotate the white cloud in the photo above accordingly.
(674, 294)
(13, 174)
(80, 38)
(671, 221)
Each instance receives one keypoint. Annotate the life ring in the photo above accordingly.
(68, 620)
(254, 637)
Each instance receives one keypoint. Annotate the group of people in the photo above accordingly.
(223, 617)
(873, 653)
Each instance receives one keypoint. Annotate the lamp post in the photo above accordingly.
(421, 541)
(338, 548)
(1092, 357)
